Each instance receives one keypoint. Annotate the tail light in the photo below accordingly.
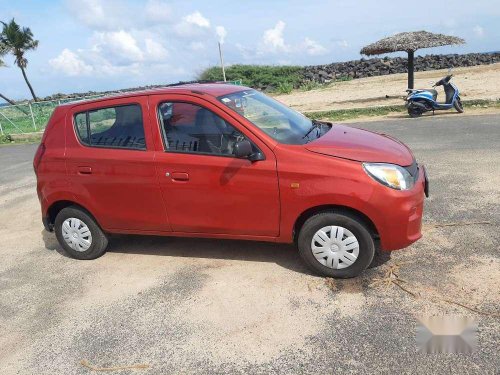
(38, 156)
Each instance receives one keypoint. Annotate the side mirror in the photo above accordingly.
(244, 150)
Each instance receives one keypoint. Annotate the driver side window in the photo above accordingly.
(191, 128)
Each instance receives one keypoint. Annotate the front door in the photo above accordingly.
(205, 188)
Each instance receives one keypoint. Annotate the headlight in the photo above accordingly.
(390, 175)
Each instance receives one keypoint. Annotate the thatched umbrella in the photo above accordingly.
(410, 42)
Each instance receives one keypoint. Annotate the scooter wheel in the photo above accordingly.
(458, 105)
(414, 112)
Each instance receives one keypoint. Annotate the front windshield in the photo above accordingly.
(277, 120)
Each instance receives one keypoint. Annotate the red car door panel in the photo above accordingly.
(119, 185)
(218, 194)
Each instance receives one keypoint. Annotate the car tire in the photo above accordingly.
(79, 234)
(352, 227)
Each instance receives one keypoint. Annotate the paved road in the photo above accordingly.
(206, 306)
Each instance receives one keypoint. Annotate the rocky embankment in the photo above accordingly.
(383, 66)
(352, 69)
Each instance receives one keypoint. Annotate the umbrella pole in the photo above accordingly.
(410, 68)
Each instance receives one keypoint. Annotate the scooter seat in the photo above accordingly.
(433, 92)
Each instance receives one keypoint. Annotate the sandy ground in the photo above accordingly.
(477, 82)
(205, 306)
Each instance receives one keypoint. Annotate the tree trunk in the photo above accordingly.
(29, 85)
(410, 69)
(14, 103)
(7, 99)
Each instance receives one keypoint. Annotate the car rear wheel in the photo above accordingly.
(79, 234)
(336, 245)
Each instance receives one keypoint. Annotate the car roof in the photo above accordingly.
(212, 89)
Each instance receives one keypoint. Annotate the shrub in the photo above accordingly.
(284, 88)
(5, 138)
(310, 85)
(264, 77)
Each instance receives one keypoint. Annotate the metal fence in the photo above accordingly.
(31, 116)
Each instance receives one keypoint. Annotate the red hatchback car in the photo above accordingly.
(224, 161)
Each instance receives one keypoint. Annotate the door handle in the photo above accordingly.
(179, 176)
(84, 170)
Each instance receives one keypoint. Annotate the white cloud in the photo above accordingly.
(155, 51)
(70, 64)
(192, 25)
(103, 15)
(221, 33)
(478, 31)
(120, 46)
(197, 19)
(273, 40)
(313, 48)
(158, 11)
(112, 53)
(115, 15)
(132, 39)
(90, 12)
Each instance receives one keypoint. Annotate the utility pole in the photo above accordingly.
(222, 63)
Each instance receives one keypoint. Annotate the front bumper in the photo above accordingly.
(402, 223)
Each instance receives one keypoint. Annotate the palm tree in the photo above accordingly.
(17, 41)
(3, 51)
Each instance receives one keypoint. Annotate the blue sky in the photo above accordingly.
(110, 44)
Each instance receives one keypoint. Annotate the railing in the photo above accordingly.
(31, 116)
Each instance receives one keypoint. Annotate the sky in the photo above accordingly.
(95, 45)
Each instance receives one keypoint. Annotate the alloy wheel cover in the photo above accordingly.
(335, 247)
(76, 234)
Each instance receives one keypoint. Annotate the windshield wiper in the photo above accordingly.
(315, 125)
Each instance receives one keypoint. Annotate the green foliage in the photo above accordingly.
(310, 85)
(284, 88)
(20, 116)
(347, 114)
(272, 78)
(5, 138)
(17, 41)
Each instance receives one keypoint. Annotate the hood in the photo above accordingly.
(361, 145)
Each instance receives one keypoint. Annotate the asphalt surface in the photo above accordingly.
(207, 306)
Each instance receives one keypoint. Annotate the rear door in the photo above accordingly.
(110, 164)
(205, 188)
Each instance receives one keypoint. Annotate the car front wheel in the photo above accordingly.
(79, 235)
(336, 245)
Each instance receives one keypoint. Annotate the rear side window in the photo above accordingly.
(81, 127)
(112, 127)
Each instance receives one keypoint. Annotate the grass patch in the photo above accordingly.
(352, 113)
(481, 103)
(273, 78)
(18, 119)
(348, 114)
(20, 138)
